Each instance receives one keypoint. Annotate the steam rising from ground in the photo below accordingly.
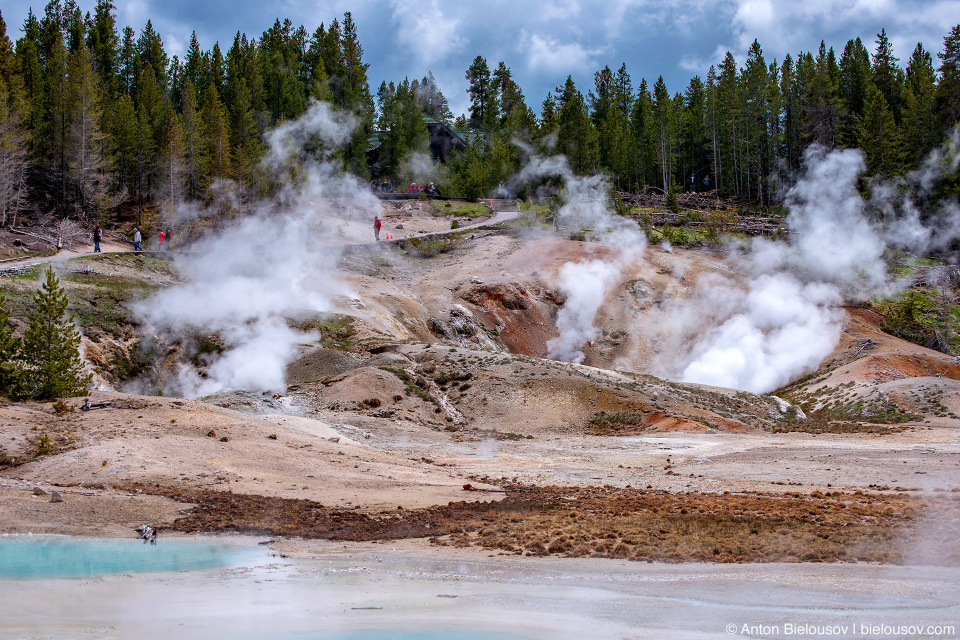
(783, 315)
(786, 320)
(586, 208)
(245, 282)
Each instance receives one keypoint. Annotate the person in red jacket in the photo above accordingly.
(376, 228)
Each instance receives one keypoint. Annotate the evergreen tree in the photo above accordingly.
(921, 131)
(887, 77)
(14, 110)
(217, 76)
(878, 137)
(823, 108)
(662, 123)
(948, 91)
(548, 116)
(194, 144)
(640, 129)
(432, 100)
(55, 124)
(478, 78)
(84, 137)
(217, 128)
(121, 122)
(104, 43)
(130, 66)
(11, 371)
(577, 138)
(150, 49)
(174, 168)
(51, 346)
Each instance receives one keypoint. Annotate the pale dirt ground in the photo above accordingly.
(522, 418)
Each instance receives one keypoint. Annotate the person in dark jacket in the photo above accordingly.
(97, 237)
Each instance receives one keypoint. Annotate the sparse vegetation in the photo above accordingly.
(414, 386)
(432, 247)
(926, 317)
(609, 522)
(617, 423)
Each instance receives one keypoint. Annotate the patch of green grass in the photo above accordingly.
(432, 247)
(101, 303)
(335, 329)
(466, 209)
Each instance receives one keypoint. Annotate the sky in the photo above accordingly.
(543, 41)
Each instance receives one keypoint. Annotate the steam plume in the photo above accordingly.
(244, 282)
(787, 318)
(586, 207)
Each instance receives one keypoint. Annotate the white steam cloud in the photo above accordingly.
(276, 262)
(586, 285)
(586, 207)
(787, 318)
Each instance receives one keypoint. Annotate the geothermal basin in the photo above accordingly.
(233, 587)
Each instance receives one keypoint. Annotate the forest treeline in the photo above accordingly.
(95, 121)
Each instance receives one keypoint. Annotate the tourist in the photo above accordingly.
(137, 239)
(97, 237)
(376, 228)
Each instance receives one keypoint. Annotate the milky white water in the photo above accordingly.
(410, 591)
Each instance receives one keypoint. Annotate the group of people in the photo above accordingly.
(164, 239)
(430, 189)
(692, 183)
(382, 187)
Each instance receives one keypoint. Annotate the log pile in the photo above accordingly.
(727, 211)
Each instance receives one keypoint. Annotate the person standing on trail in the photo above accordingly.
(693, 182)
(161, 240)
(376, 228)
(97, 237)
(137, 239)
(169, 235)
(706, 182)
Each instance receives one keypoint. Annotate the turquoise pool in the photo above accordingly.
(66, 557)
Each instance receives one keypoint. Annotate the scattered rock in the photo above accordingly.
(211, 434)
(37, 491)
(56, 496)
(272, 436)
(334, 439)
(710, 431)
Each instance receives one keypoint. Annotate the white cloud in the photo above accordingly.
(559, 10)
(795, 25)
(424, 31)
(548, 54)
